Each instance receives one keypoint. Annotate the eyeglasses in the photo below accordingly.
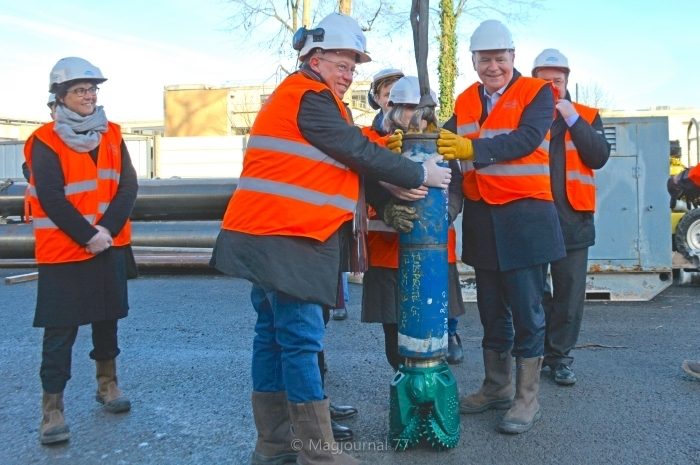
(81, 91)
(341, 67)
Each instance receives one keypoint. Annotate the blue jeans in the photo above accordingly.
(288, 337)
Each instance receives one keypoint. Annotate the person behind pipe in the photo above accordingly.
(380, 302)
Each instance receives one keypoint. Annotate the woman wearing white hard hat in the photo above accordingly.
(82, 190)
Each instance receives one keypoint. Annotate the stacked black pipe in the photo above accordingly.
(169, 214)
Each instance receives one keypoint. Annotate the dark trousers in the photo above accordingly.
(57, 350)
(510, 308)
(391, 344)
(563, 307)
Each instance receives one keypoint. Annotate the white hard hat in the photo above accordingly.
(551, 58)
(74, 68)
(491, 35)
(52, 100)
(383, 76)
(386, 74)
(407, 91)
(340, 32)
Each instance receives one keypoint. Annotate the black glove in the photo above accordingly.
(400, 217)
(673, 186)
(674, 189)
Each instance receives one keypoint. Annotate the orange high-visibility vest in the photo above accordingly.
(580, 182)
(372, 134)
(89, 187)
(499, 183)
(288, 187)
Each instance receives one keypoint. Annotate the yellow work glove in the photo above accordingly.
(395, 141)
(454, 147)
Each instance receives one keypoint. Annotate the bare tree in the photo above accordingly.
(592, 94)
(283, 17)
(279, 18)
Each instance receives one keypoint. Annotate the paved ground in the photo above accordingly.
(186, 361)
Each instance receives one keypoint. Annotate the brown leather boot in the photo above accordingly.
(311, 422)
(274, 444)
(53, 428)
(108, 392)
(496, 391)
(526, 408)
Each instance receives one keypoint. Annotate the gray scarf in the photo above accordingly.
(81, 133)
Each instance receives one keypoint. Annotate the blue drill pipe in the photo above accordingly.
(423, 282)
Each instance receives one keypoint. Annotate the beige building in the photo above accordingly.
(15, 129)
(199, 110)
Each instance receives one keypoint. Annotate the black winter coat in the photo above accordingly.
(577, 227)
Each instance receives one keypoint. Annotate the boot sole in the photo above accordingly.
(115, 406)
(281, 459)
(55, 438)
(337, 416)
(565, 382)
(344, 438)
(514, 428)
(493, 405)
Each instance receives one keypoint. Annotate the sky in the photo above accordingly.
(632, 56)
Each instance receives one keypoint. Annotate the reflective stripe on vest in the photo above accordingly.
(500, 183)
(108, 174)
(89, 187)
(297, 193)
(289, 187)
(46, 223)
(275, 144)
(580, 180)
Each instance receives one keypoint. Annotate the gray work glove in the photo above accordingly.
(400, 217)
